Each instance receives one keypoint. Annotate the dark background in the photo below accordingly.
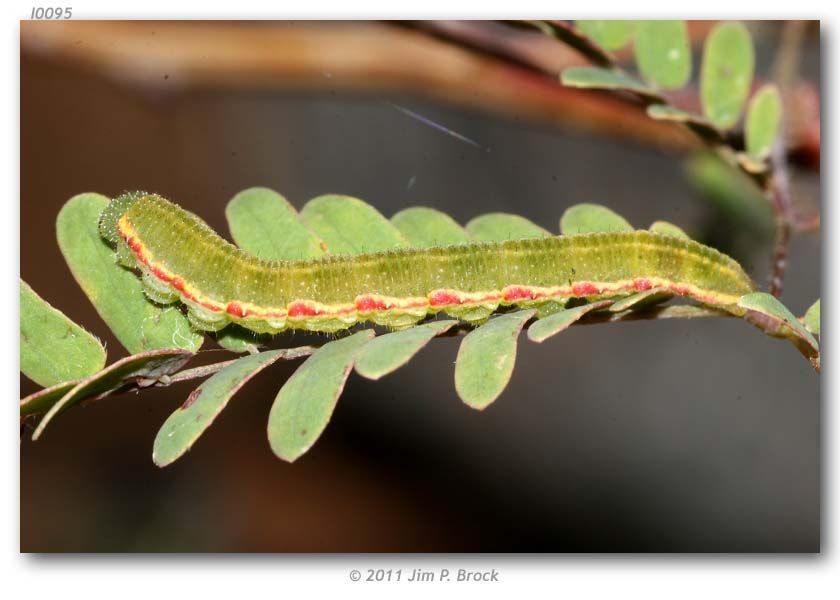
(651, 436)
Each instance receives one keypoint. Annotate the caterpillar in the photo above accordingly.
(181, 259)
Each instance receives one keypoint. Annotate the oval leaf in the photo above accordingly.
(498, 227)
(425, 227)
(727, 73)
(606, 79)
(642, 299)
(263, 223)
(486, 358)
(238, 339)
(139, 367)
(42, 400)
(185, 425)
(543, 329)
(53, 348)
(812, 318)
(389, 352)
(610, 35)
(115, 292)
(666, 228)
(763, 119)
(305, 403)
(705, 129)
(663, 53)
(349, 226)
(767, 313)
(591, 218)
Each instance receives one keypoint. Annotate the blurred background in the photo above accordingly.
(670, 436)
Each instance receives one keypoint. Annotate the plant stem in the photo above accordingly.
(206, 370)
(778, 187)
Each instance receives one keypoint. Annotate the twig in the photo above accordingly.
(572, 37)
(206, 370)
(778, 185)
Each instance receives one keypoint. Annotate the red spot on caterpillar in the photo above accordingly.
(236, 309)
(585, 289)
(642, 285)
(370, 304)
(517, 292)
(444, 298)
(301, 308)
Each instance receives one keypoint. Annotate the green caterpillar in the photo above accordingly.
(182, 259)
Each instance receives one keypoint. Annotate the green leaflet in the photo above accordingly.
(389, 352)
(498, 227)
(763, 120)
(666, 228)
(553, 324)
(610, 35)
(726, 74)
(811, 320)
(486, 358)
(425, 227)
(53, 348)
(606, 79)
(306, 401)
(642, 299)
(116, 292)
(591, 218)
(238, 339)
(185, 425)
(767, 313)
(350, 226)
(663, 53)
(149, 365)
(42, 400)
(263, 223)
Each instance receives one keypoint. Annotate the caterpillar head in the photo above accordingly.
(109, 219)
